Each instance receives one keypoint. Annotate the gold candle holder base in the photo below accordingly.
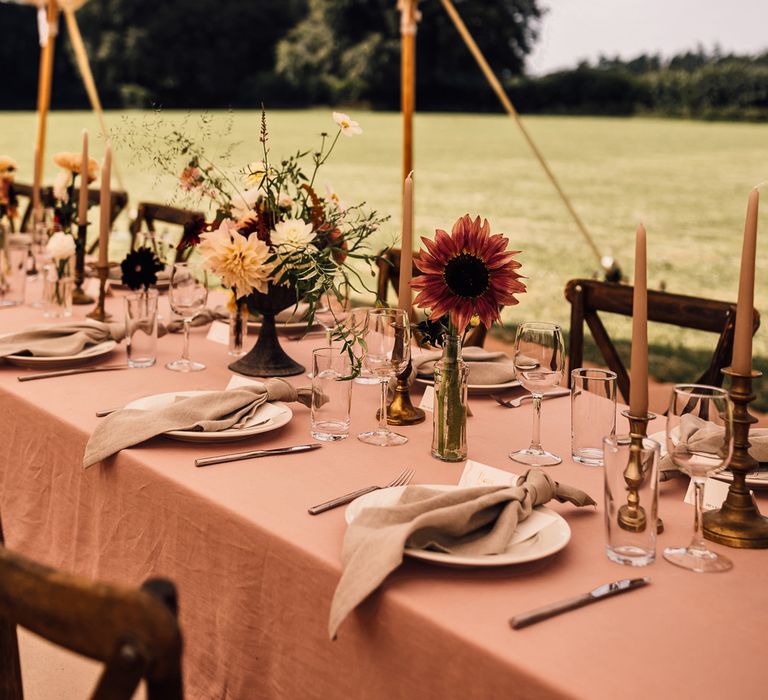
(79, 296)
(739, 522)
(632, 516)
(99, 313)
(400, 410)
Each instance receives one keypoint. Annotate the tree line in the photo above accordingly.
(297, 53)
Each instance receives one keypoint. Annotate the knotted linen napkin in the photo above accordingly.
(485, 367)
(208, 412)
(60, 340)
(221, 313)
(706, 437)
(479, 520)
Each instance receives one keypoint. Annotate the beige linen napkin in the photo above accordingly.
(201, 318)
(485, 367)
(60, 340)
(705, 437)
(474, 521)
(209, 412)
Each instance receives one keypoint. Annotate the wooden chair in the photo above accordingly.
(192, 223)
(119, 201)
(587, 297)
(134, 632)
(389, 274)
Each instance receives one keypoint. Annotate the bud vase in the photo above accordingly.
(238, 329)
(58, 285)
(449, 428)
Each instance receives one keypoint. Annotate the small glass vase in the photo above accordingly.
(58, 285)
(238, 329)
(449, 427)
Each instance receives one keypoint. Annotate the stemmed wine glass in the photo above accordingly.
(187, 294)
(331, 312)
(700, 443)
(539, 366)
(387, 337)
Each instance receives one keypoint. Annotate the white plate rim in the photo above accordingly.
(88, 353)
(228, 435)
(559, 528)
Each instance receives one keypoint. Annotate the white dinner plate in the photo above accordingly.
(755, 480)
(548, 541)
(64, 361)
(476, 388)
(285, 326)
(276, 413)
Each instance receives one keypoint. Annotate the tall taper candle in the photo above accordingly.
(638, 388)
(742, 340)
(406, 249)
(37, 214)
(82, 204)
(105, 203)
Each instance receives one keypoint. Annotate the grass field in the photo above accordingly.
(688, 181)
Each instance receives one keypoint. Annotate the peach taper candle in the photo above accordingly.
(638, 388)
(406, 249)
(105, 203)
(742, 340)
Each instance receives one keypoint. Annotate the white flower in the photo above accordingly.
(348, 126)
(61, 246)
(284, 200)
(333, 198)
(61, 185)
(243, 204)
(240, 262)
(292, 235)
(255, 173)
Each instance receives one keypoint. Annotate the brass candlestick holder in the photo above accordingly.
(632, 516)
(400, 410)
(78, 294)
(99, 313)
(739, 522)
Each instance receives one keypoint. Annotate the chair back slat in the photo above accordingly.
(588, 297)
(132, 631)
(149, 213)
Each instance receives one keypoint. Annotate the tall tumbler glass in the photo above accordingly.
(13, 268)
(331, 394)
(631, 486)
(593, 413)
(141, 328)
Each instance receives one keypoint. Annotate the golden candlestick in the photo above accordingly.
(99, 313)
(400, 410)
(632, 516)
(78, 295)
(739, 522)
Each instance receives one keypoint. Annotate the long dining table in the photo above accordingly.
(256, 573)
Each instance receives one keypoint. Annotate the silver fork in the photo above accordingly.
(515, 403)
(400, 480)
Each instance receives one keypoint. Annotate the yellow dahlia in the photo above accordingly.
(467, 273)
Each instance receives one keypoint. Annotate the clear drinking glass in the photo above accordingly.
(593, 413)
(539, 366)
(627, 467)
(14, 251)
(355, 323)
(141, 328)
(700, 443)
(331, 394)
(387, 352)
(187, 295)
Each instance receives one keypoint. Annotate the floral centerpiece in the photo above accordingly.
(467, 277)
(8, 201)
(274, 240)
(65, 203)
(58, 281)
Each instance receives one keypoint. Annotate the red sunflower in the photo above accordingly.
(469, 272)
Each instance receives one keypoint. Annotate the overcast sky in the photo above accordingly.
(583, 29)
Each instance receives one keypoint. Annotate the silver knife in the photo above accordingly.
(235, 456)
(600, 593)
(70, 372)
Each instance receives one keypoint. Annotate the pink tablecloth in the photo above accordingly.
(256, 573)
